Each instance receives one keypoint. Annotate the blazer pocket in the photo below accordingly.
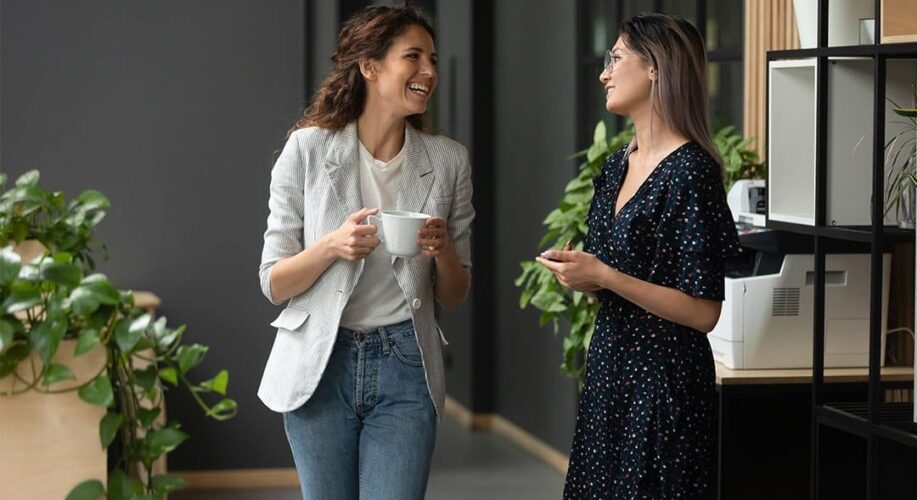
(442, 205)
(291, 318)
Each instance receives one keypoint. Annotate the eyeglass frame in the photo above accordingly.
(609, 62)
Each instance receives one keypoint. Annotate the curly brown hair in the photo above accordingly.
(366, 35)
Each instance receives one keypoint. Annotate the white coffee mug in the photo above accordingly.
(398, 231)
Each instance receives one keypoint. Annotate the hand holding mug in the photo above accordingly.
(433, 238)
(354, 240)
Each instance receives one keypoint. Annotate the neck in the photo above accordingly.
(381, 133)
(655, 140)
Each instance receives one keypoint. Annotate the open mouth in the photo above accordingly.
(421, 90)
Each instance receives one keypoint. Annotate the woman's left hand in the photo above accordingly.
(433, 238)
(580, 271)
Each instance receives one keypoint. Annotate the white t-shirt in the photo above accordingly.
(377, 300)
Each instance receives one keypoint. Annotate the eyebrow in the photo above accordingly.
(617, 49)
(417, 49)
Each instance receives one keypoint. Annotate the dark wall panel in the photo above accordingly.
(175, 110)
(535, 103)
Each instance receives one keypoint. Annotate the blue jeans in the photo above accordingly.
(368, 431)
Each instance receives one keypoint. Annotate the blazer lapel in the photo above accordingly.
(416, 174)
(342, 165)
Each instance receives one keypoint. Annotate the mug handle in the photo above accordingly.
(370, 220)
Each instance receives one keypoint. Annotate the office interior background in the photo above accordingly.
(176, 110)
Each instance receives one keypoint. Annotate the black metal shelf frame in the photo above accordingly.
(873, 420)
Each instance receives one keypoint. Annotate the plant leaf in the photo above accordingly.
(6, 334)
(123, 487)
(87, 490)
(88, 339)
(218, 383)
(10, 264)
(29, 178)
(165, 440)
(98, 392)
(23, 296)
(125, 336)
(147, 416)
(168, 483)
(46, 337)
(56, 373)
(108, 427)
(83, 301)
(169, 374)
(190, 356)
(11, 358)
(223, 410)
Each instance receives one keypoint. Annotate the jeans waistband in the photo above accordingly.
(393, 332)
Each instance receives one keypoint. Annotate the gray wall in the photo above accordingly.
(535, 82)
(174, 109)
(454, 108)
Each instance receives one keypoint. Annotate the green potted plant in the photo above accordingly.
(901, 166)
(56, 302)
(568, 223)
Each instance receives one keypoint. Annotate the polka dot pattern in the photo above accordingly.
(646, 422)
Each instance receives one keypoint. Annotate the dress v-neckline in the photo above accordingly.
(623, 176)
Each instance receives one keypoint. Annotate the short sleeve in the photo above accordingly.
(695, 234)
(600, 185)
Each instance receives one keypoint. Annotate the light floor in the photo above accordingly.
(466, 465)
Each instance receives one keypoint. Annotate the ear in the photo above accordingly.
(653, 75)
(368, 69)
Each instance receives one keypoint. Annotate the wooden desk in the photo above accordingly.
(765, 426)
(727, 376)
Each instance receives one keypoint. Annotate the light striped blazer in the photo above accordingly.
(315, 185)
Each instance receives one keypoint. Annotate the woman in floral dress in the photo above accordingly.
(659, 233)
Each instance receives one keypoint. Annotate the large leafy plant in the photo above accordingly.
(57, 296)
(901, 162)
(568, 223)
(739, 161)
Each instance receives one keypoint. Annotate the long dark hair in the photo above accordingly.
(675, 49)
(366, 35)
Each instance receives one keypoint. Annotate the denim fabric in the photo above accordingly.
(368, 431)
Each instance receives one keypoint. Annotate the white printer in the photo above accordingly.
(767, 316)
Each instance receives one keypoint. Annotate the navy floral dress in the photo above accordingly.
(647, 417)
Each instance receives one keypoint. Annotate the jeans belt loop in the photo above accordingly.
(386, 346)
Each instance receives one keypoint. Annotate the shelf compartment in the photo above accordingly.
(843, 22)
(895, 420)
(849, 146)
(791, 142)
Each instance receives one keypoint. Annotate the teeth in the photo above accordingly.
(419, 88)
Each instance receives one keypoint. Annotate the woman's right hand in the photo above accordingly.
(354, 240)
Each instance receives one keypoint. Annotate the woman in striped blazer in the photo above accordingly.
(356, 367)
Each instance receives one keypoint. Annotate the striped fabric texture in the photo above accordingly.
(315, 185)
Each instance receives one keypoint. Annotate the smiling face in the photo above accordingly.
(405, 78)
(628, 81)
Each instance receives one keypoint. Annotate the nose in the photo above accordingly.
(428, 68)
(604, 76)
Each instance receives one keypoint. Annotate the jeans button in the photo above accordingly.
(360, 337)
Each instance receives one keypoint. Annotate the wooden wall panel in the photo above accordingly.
(769, 25)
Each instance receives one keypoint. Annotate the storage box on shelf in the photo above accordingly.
(899, 21)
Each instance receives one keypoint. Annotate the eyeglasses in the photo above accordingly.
(610, 59)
